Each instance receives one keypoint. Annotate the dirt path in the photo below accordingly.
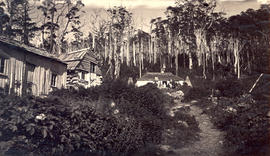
(211, 139)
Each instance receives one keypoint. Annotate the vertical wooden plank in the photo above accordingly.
(64, 77)
(38, 77)
(35, 81)
(15, 74)
(7, 72)
(47, 81)
(49, 75)
(11, 74)
(23, 68)
(43, 80)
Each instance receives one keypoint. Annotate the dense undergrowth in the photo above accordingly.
(52, 127)
(243, 117)
(245, 123)
(111, 119)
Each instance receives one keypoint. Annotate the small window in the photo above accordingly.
(2, 65)
(92, 68)
(30, 68)
(83, 76)
(53, 80)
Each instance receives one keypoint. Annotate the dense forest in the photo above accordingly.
(192, 37)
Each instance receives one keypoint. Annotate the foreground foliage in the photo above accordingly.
(52, 127)
(243, 117)
(144, 104)
(111, 119)
(245, 123)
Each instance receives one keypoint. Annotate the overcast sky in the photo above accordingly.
(145, 10)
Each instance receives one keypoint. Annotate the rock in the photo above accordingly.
(268, 114)
(188, 81)
(183, 122)
(165, 148)
(178, 94)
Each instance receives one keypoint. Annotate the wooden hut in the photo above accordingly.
(28, 70)
(163, 80)
(82, 69)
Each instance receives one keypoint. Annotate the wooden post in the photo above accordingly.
(255, 83)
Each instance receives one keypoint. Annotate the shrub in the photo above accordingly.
(144, 104)
(68, 121)
(230, 88)
(181, 129)
(244, 121)
(196, 93)
(52, 127)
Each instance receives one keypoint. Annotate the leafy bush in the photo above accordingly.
(244, 121)
(53, 127)
(181, 129)
(144, 104)
(68, 122)
(196, 93)
(230, 88)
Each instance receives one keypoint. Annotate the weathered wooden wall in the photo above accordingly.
(86, 62)
(15, 73)
(85, 65)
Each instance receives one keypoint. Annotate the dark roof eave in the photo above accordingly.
(25, 50)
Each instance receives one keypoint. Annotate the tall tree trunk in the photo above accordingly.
(51, 33)
(155, 51)
(236, 51)
(161, 62)
(110, 48)
(238, 67)
(128, 59)
(190, 66)
(198, 34)
(169, 48)
(204, 65)
(134, 53)
(25, 31)
(10, 8)
(140, 62)
(150, 49)
(122, 52)
(93, 41)
(105, 49)
(115, 48)
(142, 54)
(213, 45)
(176, 63)
(213, 65)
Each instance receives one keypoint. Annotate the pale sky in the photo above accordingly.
(145, 10)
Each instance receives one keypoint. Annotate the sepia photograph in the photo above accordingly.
(134, 78)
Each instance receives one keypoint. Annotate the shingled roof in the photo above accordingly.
(29, 49)
(75, 57)
(167, 76)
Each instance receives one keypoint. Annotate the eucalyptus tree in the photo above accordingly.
(26, 26)
(56, 13)
(195, 20)
(160, 40)
(119, 21)
(4, 18)
(248, 41)
(252, 28)
(141, 55)
(16, 21)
